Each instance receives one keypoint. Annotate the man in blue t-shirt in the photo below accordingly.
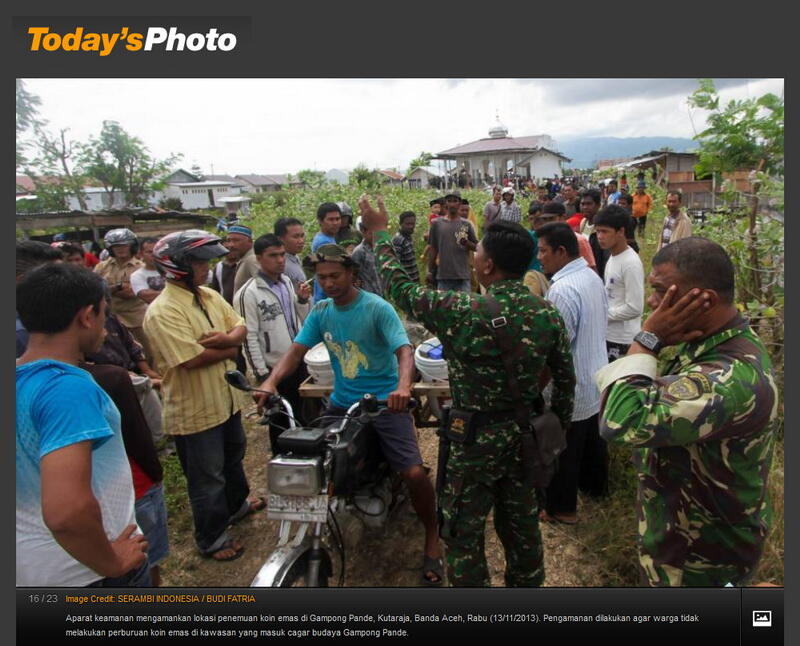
(370, 353)
(329, 216)
(74, 488)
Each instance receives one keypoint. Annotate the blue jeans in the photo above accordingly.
(456, 285)
(212, 463)
(151, 516)
(138, 578)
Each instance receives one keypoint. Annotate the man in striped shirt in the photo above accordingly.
(403, 244)
(196, 338)
(578, 294)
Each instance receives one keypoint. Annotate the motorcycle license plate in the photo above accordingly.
(307, 509)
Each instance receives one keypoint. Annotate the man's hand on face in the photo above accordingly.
(372, 219)
(398, 400)
(676, 320)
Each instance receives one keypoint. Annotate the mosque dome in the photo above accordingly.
(498, 130)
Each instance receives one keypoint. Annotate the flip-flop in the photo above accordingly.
(254, 505)
(434, 565)
(228, 545)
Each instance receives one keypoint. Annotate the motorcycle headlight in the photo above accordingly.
(295, 476)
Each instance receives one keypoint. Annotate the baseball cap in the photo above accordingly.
(453, 194)
(328, 253)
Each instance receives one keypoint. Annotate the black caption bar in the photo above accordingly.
(571, 616)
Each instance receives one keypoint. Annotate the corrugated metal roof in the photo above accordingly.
(199, 184)
(222, 178)
(497, 144)
(266, 180)
(428, 169)
(391, 174)
(257, 180)
(641, 160)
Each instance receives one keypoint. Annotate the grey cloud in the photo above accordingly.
(579, 91)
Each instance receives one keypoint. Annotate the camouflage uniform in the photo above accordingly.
(489, 472)
(704, 435)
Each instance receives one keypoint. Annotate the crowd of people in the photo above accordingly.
(122, 360)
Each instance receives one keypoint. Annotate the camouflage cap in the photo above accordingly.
(328, 253)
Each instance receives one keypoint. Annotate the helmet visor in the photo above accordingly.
(207, 251)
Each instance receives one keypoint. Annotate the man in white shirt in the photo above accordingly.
(577, 292)
(624, 278)
(147, 282)
(273, 313)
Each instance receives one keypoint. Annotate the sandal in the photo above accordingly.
(254, 505)
(434, 566)
(238, 550)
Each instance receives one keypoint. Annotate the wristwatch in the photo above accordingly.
(649, 341)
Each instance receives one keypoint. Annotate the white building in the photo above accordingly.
(97, 199)
(421, 176)
(337, 176)
(200, 195)
(487, 160)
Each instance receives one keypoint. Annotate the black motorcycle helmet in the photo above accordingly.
(347, 212)
(117, 237)
(173, 254)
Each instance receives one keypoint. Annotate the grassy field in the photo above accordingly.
(599, 551)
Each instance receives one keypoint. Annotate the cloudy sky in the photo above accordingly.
(238, 126)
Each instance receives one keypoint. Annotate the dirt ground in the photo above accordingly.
(390, 558)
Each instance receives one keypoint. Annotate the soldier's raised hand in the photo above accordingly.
(373, 219)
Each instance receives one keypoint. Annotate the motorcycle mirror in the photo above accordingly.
(237, 380)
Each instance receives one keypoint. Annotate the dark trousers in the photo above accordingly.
(212, 463)
(288, 389)
(641, 223)
(137, 578)
(583, 465)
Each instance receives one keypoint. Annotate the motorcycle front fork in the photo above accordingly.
(315, 556)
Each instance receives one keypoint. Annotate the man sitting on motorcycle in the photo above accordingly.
(370, 353)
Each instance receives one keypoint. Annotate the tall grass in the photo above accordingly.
(607, 528)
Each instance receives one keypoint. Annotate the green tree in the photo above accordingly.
(55, 157)
(424, 159)
(749, 135)
(27, 117)
(122, 162)
(746, 134)
(310, 178)
(365, 178)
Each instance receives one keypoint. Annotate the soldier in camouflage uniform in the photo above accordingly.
(489, 472)
(702, 427)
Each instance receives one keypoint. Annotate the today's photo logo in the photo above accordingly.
(163, 39)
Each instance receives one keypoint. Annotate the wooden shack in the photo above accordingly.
(84, 225)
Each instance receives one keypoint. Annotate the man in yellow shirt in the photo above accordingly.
(642, 203)
(196, 336)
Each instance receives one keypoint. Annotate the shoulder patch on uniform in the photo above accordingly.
(689, 387)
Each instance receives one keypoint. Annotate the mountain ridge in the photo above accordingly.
(585, 152)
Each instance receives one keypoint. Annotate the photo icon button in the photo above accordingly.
(762, 619)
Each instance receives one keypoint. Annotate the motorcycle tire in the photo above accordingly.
(297, 575)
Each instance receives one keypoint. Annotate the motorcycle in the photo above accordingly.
(319, 479)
